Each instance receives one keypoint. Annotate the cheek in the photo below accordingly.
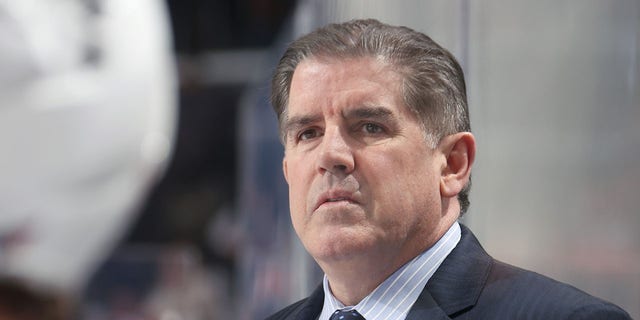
(401, 179)
(296, 198)
(397, 170)
(299, 184)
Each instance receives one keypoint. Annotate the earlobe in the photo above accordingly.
(459, 150)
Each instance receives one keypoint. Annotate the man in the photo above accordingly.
(378, 158)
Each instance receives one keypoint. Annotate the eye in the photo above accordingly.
(372, 128)
(308, 134)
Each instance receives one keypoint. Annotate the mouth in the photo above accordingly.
(335, 197)
(338, 199)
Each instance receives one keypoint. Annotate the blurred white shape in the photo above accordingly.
(87, 117)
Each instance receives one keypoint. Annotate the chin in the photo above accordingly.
(339, 244)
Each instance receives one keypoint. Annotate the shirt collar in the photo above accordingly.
(393, 298)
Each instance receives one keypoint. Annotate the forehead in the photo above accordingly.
(320, 84)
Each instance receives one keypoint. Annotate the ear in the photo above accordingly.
(460, 150)
(285, 169)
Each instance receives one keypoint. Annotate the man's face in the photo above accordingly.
(362, 179)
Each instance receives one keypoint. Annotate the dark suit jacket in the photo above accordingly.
(471, 285)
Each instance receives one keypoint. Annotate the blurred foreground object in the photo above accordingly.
(87, 99)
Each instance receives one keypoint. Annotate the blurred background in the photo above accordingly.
(554, 96)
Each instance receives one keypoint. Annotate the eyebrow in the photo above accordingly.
(380, 113)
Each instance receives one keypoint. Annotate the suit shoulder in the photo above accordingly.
(534, 293)
(601, 310)
(287, 312)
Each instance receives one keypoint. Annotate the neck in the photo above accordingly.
(352, 279)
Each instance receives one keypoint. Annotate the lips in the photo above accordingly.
(338, 199)
(335, 196)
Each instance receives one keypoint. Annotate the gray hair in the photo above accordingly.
(433, 82)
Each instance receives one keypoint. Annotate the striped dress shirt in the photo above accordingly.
(393, 298)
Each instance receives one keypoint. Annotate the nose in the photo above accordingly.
(335, 156)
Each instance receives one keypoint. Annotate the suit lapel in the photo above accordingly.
(457, 283)
(310, 309)
(426, 308)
